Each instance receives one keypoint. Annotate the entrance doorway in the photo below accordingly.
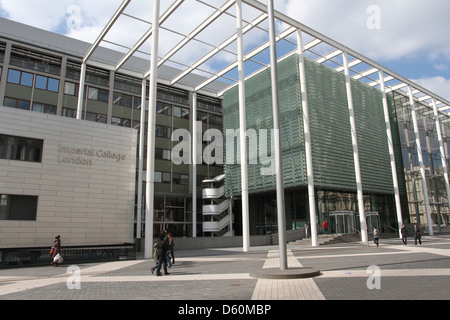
(373, 221)
(347, 222)
(342, 222)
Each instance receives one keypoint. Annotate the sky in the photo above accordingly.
(410, 37)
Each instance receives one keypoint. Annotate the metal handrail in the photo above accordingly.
(33, 256)
(389, 227)
(351, 227)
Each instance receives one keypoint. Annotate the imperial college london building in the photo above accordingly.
(91, 136)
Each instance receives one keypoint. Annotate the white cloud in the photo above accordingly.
(36, 13)
(439, 85)
(408, 28)
(62, 15)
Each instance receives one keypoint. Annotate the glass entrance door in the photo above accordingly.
(373, 221)
(342, 222)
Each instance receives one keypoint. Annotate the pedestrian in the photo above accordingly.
(162, 246)
(170, 254)
(417, 235)
(306, 231)
(404, 233)
(56, 250)
(325, 226)
(155, 256)
(376, 236)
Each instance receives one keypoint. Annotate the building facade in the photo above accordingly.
(67, 177)
(332, 153)
(40, 75)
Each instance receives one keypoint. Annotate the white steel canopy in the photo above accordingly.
(198, 43)
(210, 46)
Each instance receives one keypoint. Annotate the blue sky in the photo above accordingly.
(411, 37)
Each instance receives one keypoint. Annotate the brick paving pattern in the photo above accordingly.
(406, 273)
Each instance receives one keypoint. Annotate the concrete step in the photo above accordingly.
(324, 239)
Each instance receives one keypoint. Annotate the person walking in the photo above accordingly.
(376, 236)
(324, 226)
(162, 246)
(417, 235)
(170, 253)
(404, 233)
(155, 256)
(56, 250)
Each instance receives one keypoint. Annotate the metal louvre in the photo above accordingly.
(332, 151)
(248, 47)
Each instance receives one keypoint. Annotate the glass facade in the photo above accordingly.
(39, 81)
(332, 152)
(431, 157)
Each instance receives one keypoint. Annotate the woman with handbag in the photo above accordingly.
(376, 236)
(56, 251)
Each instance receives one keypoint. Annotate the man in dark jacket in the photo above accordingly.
(404, 234)
(417, 235)
(162, 246)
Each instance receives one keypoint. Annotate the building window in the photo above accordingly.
(179, 178)
(20, 77)
(122, 100)
(202, 116)
(68, 112)
(163, 108)
(17, 103)
(44, 108)
(162, 154)
(180, 112)
(17, 207)
(46, 83)
(20, 148)
(164, 177)
(214, 119)
(158, 176)
(96, 117)
(71, 89)
(121, 122)
(163, 132)
(97, 94)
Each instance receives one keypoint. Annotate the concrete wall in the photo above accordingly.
(215, 242)
(87, 197)
(228, 242)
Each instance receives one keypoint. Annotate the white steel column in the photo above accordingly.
(91, 50)
(277, 140)
(141, 160)
(441, 149)
(362, 216)
(387, 120)
(422, 167)
(194, 164)
(81, 90)
(308, 151)
(150, 183)
(242, 131)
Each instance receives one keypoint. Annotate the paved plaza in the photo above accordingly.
(349, 271)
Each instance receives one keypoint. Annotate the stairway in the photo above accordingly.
(217, 210)
(324, 239)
